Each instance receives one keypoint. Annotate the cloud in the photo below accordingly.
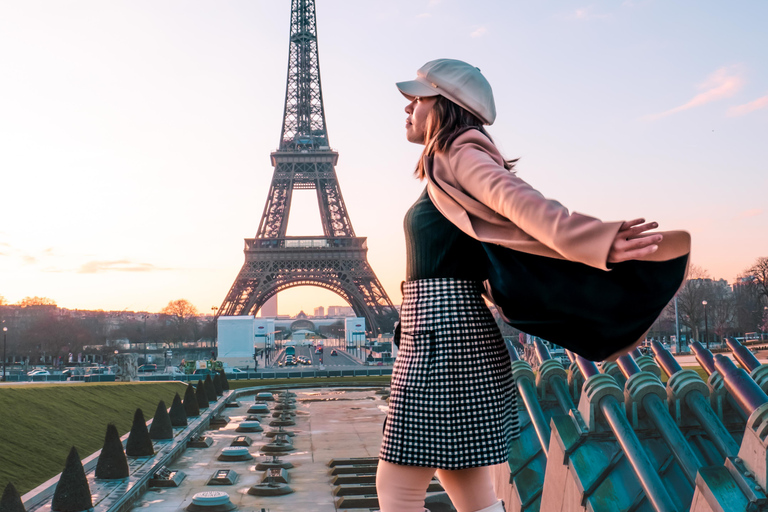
(29, 260)
(424, 15)
(433, 3)
(746, 108)
(754, 212)
(94, 267)
(587, 13)
(479, 32)
(723, 83)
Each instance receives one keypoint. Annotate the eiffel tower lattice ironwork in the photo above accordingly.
(337, 260)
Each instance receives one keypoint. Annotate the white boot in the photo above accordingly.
(496, 507)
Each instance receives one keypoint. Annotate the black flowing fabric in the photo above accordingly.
(589, 311)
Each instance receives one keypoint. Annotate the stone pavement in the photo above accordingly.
(330, 423)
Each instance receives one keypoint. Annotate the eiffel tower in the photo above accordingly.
(336, 261)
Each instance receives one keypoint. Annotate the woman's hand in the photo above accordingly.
(632, 242)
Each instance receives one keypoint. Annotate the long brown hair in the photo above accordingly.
(444, 123)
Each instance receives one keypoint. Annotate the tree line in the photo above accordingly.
(708, 307)
(38, 330)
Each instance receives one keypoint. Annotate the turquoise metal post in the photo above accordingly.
(526, 386)
(699, 405)
(558, 385)
(666, 360)
(656, 409)
(617, 420)
(743, 355)
(704, 357)
(627, 365)
(707, 361)
(743, 389)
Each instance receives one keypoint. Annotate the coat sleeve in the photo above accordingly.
(575, 236)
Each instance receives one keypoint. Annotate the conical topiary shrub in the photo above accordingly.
(190, 401)
(202, 396)
(224, 381)
(177, 413)
(161, 424)
(210, 392)
(217, 385)
(139, 443)
(11, 501)
(72, 493)
(112, 462)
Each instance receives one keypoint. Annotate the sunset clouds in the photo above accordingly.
(479, 32)
(93, 267)
(740, 110)
(723, 83)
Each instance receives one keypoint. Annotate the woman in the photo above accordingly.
(453, 400)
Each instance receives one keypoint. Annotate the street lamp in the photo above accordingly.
(144, 335)
(706, 325)
(214, 309)
(5, 335)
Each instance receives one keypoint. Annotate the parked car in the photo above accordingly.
(236, 370)
(98, 370)
(146, 368)
(38, 372)
(203, 372)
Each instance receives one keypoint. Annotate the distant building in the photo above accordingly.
(270, 308)
(320, 311)
(340, 311)
(743, 281)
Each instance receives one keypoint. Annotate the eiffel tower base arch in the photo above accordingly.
(272, 267)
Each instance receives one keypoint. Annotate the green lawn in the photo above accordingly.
(698, 369)
(40, 423)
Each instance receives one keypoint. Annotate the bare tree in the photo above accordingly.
(183, 316)
(749, 304)
(759, 270)
(36, 301)
(696, 289)
(721, 307)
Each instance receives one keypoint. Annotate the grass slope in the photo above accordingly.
(40, 423)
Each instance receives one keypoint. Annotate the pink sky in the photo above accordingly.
(134, 145)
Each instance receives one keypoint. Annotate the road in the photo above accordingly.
(325, 359)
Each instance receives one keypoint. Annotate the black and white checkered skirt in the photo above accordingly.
(453, 401)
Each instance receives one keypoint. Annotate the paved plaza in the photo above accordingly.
(331, 423)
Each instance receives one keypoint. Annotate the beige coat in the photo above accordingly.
(470, 186)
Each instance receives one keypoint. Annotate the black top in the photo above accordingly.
(435, 247)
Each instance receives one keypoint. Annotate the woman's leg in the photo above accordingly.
(470, 489)
(402, 488)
